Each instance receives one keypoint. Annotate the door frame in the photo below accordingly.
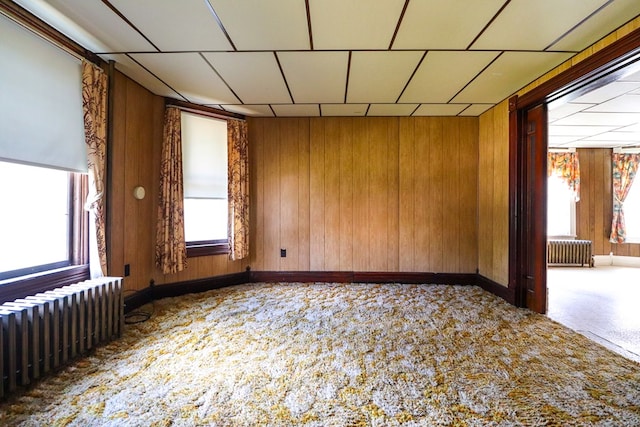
(604, 66)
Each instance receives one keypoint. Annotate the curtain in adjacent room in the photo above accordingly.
(624, 168)
(238, 189)
(566, 166)
(171, 248)
(94, 104)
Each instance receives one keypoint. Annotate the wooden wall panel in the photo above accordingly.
(380, 196)
(135, 160)
(594, 210)
(493, 194)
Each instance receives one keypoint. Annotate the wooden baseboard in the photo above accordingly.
(147, 295)
(497, 289)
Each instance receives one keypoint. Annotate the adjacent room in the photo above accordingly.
(314, 212)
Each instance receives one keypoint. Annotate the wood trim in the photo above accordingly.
(152, 293)
(612, 58)
(507, 294)
(202, 110)
(31, 285)
(515, 191)
(35, 24)
(205, 249)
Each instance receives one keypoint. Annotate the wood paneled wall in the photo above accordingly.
(594, 210)
(136, 149)
(493, 195)
(364, 194)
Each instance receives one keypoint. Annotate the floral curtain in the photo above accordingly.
(171, 248)
(238, 192)
(94, 104)
(566, 166)
(624, 171)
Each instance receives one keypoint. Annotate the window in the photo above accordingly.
(35, 221)
(204, 158)
(561, 209)
(631, 209)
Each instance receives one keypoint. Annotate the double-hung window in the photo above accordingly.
(204, 164)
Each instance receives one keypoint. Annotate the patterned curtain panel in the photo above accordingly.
(567, 167)
(238, 152)
(171, 248)
(94, 103)
(624, 171)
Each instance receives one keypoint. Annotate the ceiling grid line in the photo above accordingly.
(284, 78)
(222, 28)
(592, 14)
(310, 29)
(125, 19)
(411, 77)
(488, 24)
(346, 86)
(220, 77)
(154, 75)
(400, 18)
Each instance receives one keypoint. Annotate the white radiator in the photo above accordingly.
(44, 331)
(569, 252)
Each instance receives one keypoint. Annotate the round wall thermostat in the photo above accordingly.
(139, 193)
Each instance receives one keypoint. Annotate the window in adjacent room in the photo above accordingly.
(36, 221)
(204, 158)
(561, 209)
(631, 209)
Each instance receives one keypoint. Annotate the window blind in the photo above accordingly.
(204, 157)
(41, 118)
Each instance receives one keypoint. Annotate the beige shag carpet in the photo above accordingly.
(339, 355)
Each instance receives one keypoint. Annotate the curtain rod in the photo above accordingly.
(201, 109)
(562, 150)
(627, 150)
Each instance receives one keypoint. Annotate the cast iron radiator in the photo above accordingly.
(43, 332)
(569, 252)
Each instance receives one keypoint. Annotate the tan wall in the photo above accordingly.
(594, 210)
(494, 256)
(136, 149)
(493, 195)
(364, 194)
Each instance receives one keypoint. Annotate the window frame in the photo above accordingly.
(39, 278)
(198, 248)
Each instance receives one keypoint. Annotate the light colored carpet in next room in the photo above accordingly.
(339, 355)
(602, 303)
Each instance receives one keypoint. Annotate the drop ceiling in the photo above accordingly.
(337, 57)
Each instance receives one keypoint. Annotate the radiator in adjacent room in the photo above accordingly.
(569, 252)
(42, 332)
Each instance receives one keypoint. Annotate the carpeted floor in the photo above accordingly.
(339, 355)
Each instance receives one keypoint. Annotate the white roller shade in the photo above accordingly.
(204, 157)
(41, 118)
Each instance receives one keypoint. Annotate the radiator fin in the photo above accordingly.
(570, 252)
(44, 331)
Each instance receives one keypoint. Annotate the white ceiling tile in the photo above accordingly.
(476, 109)
(391, 109)
(534, 25)
(621, 104)
(578, 131)
(439, 109)
(565, 110)
(94, 17)
(250, 110)
(606, 93)
(198, 29)
(392, 71)
(600, 119)
(507, 74)
(612, 16)
(133, 70)
(616, 136)
(254, 76)
(264, 25)
(315, 77)
(329, 110)
(354, 24)
(443, 74)
(296, 110)
(444, 24)
(556, 141)
(632, 76)
(190, 75)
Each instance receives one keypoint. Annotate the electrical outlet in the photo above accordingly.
(283, 253)
(127, 270)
